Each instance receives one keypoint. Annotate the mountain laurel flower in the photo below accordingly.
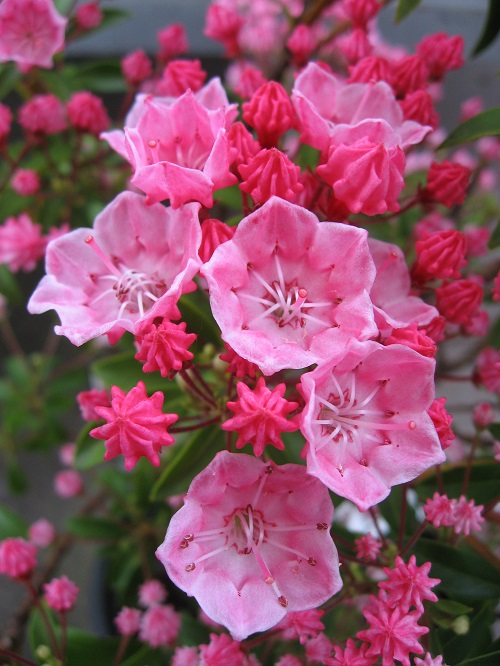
(370, 69)
(132, 267)
(136, 67)
(483, 415)
(128, 621)
(136, 426)
(41, 533)
(68, 483)
(32, 32)
(270, 173)
(366, 423)
(441, 53)
(302, 625)
(22, 244)
(25, 182)
(487, 370)
(252, 543)
(419, 106)
(367, 548)
(429, 661)
(87, 113)
(260, 416)
(89, 400)
(185, 656)
(164, 347)
(459, 301)
(466, 516)
(270, 112)
(440, 255)
(439, 510)
(43, 114)
(351, 655)
(318, 649)
(181, 75)
(414, 339)
(61, 594)
(222, 650)
(408, 585)
(287, 290)
(213, 233)
(447, 183)
(89, 16)
(17, 558)
(160, 625)
(238, 366)
(409, 74)
(172, 40)
(152, 592)
(442, 422)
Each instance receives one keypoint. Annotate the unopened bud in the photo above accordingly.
(461, 625)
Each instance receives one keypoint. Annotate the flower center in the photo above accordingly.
(136, 291)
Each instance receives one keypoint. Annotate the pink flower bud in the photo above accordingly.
(459, 301)
(61, 594)
(87, 113)
(160, 625)
(43, 114)
(213, 233)
(223, 25)
(151, 593)
(442, 422)
(244, 78)
(25, 182)
(88, 16)
(128, 621)
(413, 338)
(164, 347)
(67, 453)
(409, 74)
(439, 255)
(41, 533)
(361, 11)
(270, 173)
(68, 483)
(419, 106)
(447, 183)
(242, 144)
(301, 44)
(136, 67)
(173, 41)
(179, 75)
(370, 70)
(487, 370)
(483, 415)
(88, 400)
(270, 112)
(441, 53)
(17, 558)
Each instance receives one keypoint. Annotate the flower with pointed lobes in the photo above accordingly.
(439, 510)
(238, 366)
(164, 346)
(32, 32)
(136, 426)
(439, 255)
(287, 290)
(466, 516)
(366, 421)
(367, 548)
(17, 558)
(442, 422)
(429, 661)
(414, 339)
(222, 651)
(252, 542)
(408, 585)
(181, 75)
(447, 183)
(132, 267)
(302, 625)
(270, 112)
(61, 594)
(459, 301)
(260, 416)
(441, 53)
(21, 243)
(351, 655)
(270, 173)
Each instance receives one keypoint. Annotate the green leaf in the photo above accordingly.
(404, 8)
(475, 642)
(486, 123)
(195, 310)
(89, 451)
(8, 285)
(465, 576)
(9, 75)
(483, 485)
(11, 525)
(491, 28)
(101, 76)
(124, 371)
(494, 428)
(92, 527)
(186, 459)
(483, 660)
(16, 478)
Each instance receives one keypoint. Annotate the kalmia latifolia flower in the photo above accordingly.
(128, 621)
(238, 366)
(136, 67)
(440, 255)
(367, 548)
(68, 483)
(151, 593)
(32, 32)
(136, 426)
(487, 370)
(270, 173)
(302, 625)
(260, 416)
(21, 243)
(414, 339)
(252, 543)
(270, 112)
(351, 655)
(61, 594)
(164, 347)
(43, 114)
(439, 510)
(17, 558)
(408, 585)
(88, 16)
(288, 291)
(466, 516)
(459, 301)
(41, 533)
(442, 422)
(447, 183)
(429, 661)
(441, 53)
(366, 421)
(89, 400)
(25, 182)
(87, 113)
(483, 415)
(160, 625)
(213, 233)
(132, 267)
(222, 650)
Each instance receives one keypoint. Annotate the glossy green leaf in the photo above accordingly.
(89, 451)
(474, 643)
(491, 27)
(11, 525)
(186, 459)
(93, 527)
(483, 486)
(124, 371)
(195, 310)
(486, 123)
(404, 8)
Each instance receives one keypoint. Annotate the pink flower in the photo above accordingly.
(181, 75)
(160, 625)
(43, 114)
(318, 649)
(301, 44)
(302, 625)
(442, 422)
(128, 621)
(367, 548)
(213, 233)
(164, 347)
(68, 483)
(419, 106)
(136, 426)
(132, 267)
(21, 243)
(366, 421)
(89, 400)
(370, 69)
(466, 516)
(447, 183)
(244, 78)
(88, 16)
(459, 301)
(409, 74)
(185, 656)
(32, 32)
(429, 661)
(41, 533)
(61, 594)
(487, 371)
(151, 593)
(351, 655)
(136, 67)
(361, 11)
(237, 365)
(270, 112)
(67, 451)
(222, 651)
(223, 25)
(279, 306)
(17, 558)
(260, 416)
(87, 113)
(172, 40)
(408, 585)
(25, 182)
(270, 173)
(440, 255)
(393, 634)
(441, 53)
(240, 506)
(414, 339)
(439, 510)
(483, 415)
(179, 151)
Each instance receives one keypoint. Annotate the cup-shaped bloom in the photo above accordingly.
(366, 421)
(288, 291)
(252, 542)
(134, 265)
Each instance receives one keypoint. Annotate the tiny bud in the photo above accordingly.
(460, 625)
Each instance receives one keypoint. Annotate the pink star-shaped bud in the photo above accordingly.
(408, 585)
(260, 416)
(164, 347)
(136, 426)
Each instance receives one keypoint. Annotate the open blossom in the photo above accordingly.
(251, 543)
(280, 307)
(260, 416)
(61, 594)
(32, 32)
(408, 585)
(133, 266)
(366, 421)
(136, 426)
